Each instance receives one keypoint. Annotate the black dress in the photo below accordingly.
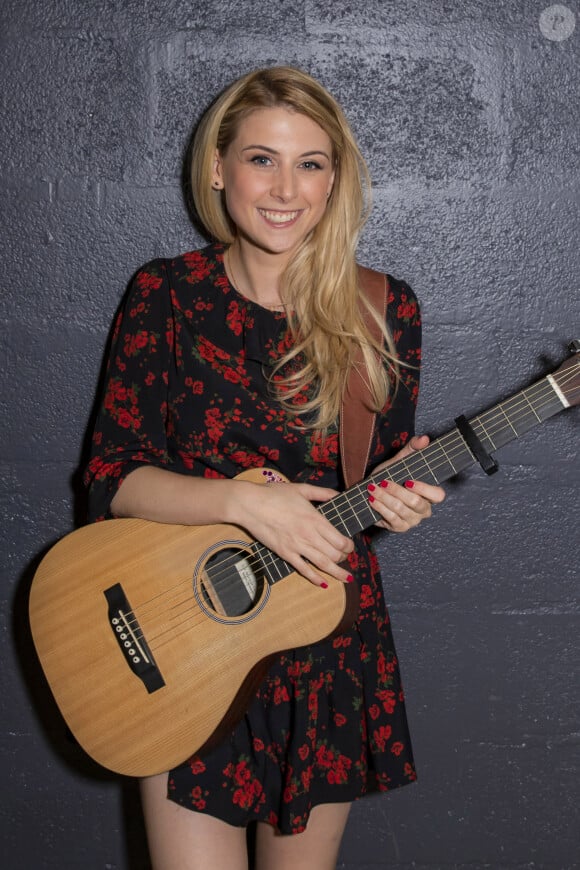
(186, 391)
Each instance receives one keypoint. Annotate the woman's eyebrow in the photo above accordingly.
(275, 153)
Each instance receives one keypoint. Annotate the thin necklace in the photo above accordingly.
(281, 307)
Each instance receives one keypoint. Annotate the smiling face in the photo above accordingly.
(277, 175)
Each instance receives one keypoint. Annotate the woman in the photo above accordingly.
(237, 356)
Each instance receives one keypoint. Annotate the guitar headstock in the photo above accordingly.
(568, 375)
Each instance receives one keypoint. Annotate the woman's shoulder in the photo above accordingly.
(402, 297)
(175, 277)
(375, 284)
(195, 265)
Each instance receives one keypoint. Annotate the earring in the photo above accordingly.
(216, 185)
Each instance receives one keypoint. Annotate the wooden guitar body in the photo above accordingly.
(206, 663)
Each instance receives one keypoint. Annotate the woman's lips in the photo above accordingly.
(280, 218)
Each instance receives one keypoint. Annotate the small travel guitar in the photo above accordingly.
(154, 637)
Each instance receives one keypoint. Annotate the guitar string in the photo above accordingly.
(187, 599)
(361, 497)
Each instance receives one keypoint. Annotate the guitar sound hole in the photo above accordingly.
(232, 582)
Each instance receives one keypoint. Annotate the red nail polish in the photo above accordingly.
(371, 487)
(384, 483)
(409, 484)
(350, 579)
(324, 585)
(371, 498)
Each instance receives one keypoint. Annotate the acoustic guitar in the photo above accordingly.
(154, 637)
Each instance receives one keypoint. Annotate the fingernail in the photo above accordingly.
(409, 484)
(371, 487)
(324, 585)
(350, 578)
(384, 483)
(371, 498)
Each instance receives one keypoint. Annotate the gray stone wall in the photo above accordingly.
(469, 116)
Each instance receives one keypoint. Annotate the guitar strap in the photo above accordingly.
(357, 418)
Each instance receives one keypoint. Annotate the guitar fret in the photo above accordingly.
(425, 460)
(538, 418)
(367, 517)
(487, 435)
(273, 566)
(458, 449)
(509, 422)
(350, 512)
(448, 460)
(408, 473)
(335, 512)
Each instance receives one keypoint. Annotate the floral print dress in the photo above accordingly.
(187, 389)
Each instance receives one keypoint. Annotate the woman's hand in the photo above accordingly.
(403, 507)
(279, 515)
(282, 516)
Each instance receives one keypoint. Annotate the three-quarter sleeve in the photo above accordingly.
(405, 323)
(395, 425)
(131, 426)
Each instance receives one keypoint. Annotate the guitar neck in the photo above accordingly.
(445, 457)
(350, 512)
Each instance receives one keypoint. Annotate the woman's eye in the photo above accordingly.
(311, 164)
(260, 160)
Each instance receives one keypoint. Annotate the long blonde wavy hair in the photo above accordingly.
(320, 283)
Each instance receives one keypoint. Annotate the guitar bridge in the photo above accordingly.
(131, 641)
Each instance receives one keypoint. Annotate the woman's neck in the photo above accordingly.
(255, 274)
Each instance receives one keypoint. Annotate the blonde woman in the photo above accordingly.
(236, 356)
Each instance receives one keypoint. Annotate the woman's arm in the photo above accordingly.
(403, 507)
(279, 515)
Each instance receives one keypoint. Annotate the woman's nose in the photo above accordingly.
(284, 186)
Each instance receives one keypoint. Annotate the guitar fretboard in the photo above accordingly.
(350, 512)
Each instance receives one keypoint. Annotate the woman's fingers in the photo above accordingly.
(318, 549)
(283, 518)
(404, 507)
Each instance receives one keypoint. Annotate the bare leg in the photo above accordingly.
(315, 849)
(180, 839)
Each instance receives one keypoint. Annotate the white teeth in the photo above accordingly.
(277, 217)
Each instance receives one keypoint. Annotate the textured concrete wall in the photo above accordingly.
(469, 115)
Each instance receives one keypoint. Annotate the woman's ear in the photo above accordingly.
(217, 180)
(330, 184)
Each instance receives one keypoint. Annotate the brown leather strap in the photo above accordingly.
(357, 419)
